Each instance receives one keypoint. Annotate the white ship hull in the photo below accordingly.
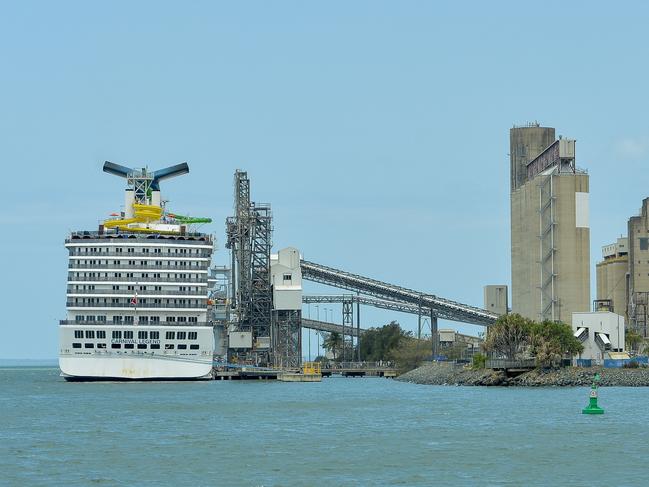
(133, 368)
(102, 353)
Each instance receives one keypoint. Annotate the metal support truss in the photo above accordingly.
(286, 338)
(547, 250)
(442, 308)
(249, 234)
(348, 324)
(261, 296)
(639, 313)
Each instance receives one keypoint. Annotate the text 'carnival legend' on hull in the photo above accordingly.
(138, 288)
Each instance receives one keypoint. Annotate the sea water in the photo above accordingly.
(356, 432)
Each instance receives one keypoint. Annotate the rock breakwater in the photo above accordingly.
(450, 374)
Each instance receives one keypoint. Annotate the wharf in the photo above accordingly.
(245, 373)
(306, 373)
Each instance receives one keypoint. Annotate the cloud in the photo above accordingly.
(633, 147)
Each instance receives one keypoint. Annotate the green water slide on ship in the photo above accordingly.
(189, 219)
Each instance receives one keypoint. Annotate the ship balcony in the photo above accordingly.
(203, 266)
(76, 251)
(127, 304)
(143, 292)
(141, 280)
(193, 238)
(122, 323)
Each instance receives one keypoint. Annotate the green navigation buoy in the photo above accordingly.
(592, 407)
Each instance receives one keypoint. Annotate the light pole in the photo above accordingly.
(317, 308)
(309, 316)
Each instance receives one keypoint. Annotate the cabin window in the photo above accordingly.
(116, 345)
(128, 345)
(101, 334)
(155, 335)
(76, 345)
(90, 334)
(181, 335)
(142, 335)
(141, 346)
(182, 346)
(192, 335)
(155, 346)
(194, 346)
(128, 334)
(78, 333)
(117, 334)
(168, 346)
(89, 345)
(170, 335)
(101, 345)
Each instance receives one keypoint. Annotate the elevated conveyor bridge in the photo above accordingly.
(391, 296)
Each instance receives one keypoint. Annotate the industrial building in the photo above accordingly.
(602, 335)
(612, 277)
(623, 274)
(638, 283)
(256, 303)
(550, 234)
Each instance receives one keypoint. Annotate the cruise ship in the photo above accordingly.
(137, 291)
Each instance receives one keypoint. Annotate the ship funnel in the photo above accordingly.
(157, 176)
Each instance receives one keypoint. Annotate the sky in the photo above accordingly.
(378, 131)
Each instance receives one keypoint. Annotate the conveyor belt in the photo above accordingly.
(443, 308)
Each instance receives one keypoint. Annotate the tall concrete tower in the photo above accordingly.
(549, 226)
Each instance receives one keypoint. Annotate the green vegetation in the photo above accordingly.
(411, 353)
(479, 361)
(333, 343)
(514, 337)
(634, 341)
(381, 343)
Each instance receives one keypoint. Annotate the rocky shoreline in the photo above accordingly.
(458, 375)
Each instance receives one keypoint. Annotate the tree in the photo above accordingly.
(633, 340)
(509, 337)
(513, 337)
(381, 343)
(551, 341)
(333, 343)
(411, 353)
